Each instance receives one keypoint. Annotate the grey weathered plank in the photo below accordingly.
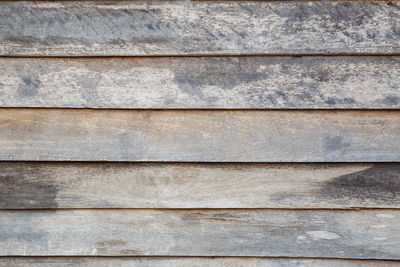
(296, 233)
(80, 28)
(199, 136)
(202, 82)
(189, 261)
(179, 185)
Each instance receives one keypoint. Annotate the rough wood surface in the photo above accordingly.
(297, 233)
(178, 185)
(199, 136)
(202, 82)
(188, 261)
(80, 28)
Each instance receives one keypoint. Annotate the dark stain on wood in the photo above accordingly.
(335, 144)
(391, 100)
(380, 183)
(225, 73)
(28, 87)
(18, 183)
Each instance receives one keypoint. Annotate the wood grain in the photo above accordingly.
(202, 82)
(199, 136)
(364, 234)
(86, 28)
(188, 261)
(39, 185)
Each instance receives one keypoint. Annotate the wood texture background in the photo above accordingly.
(294, 233)
(187, 261)
(202, 82)
(178, 185)
(143, 148)
(199, 136)
(112, 28)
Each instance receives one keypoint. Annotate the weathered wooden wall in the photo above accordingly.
(250, 82)
(27, 185)
(186, 261)
(132, 28)
(200, 133)
(296, 233)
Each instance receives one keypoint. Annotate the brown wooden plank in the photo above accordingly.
(188, 261)
(202, 82)
(90, 28)
(296, 233)
(199, 136)
(179, 185)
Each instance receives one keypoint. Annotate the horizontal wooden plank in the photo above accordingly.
(295, 233)
(89, 28)
(199, 136)
(202, 82)
(178, 185)
(189, 261)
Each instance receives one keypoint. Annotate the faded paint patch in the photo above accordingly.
(379, 226)
(385, 215)
(301, 237)
(323, 235)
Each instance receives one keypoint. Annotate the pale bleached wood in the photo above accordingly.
(296, 233)
(202, 82)
(199, 136)
(179, 185)
(188, 261)
(78, 28)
